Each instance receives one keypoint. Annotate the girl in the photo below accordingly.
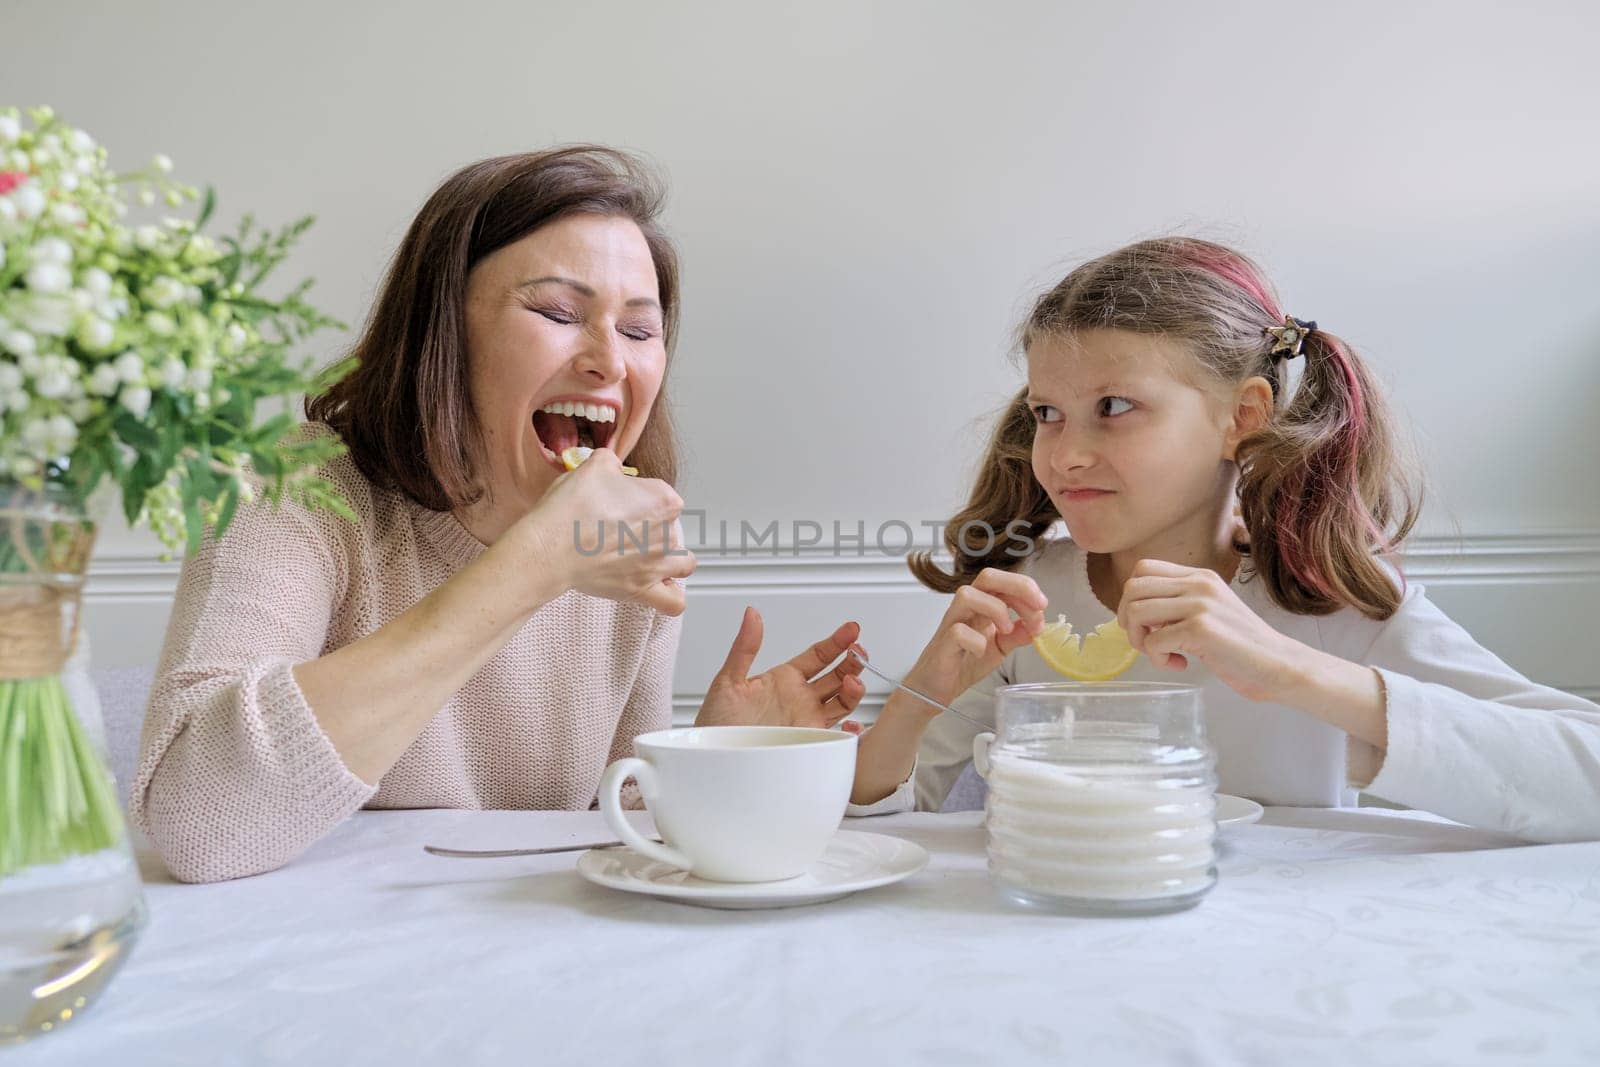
(1241, 533)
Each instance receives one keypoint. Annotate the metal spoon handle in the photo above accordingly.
(898, 684)
(498, 853)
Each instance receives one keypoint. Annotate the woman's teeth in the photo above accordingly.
(592, 412)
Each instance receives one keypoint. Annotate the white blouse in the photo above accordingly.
(1469, 738)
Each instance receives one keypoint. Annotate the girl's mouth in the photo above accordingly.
(569, 423)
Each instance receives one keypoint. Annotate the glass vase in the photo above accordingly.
(71, 905)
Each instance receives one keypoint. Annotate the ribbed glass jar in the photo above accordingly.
(1101, 797)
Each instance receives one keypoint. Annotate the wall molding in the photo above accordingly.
(1479, 559)
(1527, 596)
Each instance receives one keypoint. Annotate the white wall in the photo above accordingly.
(866, 195)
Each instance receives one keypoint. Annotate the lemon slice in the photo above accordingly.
(1094, 657)
(571, 457)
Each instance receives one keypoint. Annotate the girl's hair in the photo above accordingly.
(1323, 488)
(405, 413)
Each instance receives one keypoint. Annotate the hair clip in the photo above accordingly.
(1288, 339)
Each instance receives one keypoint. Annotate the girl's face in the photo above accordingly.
(565, 347)
(1135, 457)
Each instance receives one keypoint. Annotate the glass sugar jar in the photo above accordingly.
(1101, 797)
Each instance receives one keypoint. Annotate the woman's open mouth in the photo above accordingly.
(573, 423)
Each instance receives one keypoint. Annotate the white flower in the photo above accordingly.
(51, 250)
(48, 278)
(97, 282)
(53, 383)
(8, 210)
(48, 315)
(68, 215)
(160, 324)
(80, 409)
(136, 399)
(163, 292)
(69, 182)
(198, 380)
(19, 159)
(130, 368)
(161, 163)
(147, 197)
(50, 438)
(29, 199)
(233, 342)
(10, 377)
(105, 380)
(96, 335)
(147, 237)
(30, 363)
(81, 142)
(10, 129)
(172, 373)
(17, 400)
(18, 342)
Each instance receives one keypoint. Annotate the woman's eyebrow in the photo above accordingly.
(585, 290)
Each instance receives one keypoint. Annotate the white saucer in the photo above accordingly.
(852, 862)
(1237, 811)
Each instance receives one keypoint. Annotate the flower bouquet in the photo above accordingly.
(135, 352)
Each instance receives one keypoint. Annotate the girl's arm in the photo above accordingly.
(998, 613)
(1470, 738)
(1456, 731)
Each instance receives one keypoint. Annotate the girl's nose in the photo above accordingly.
(600, 359)
(1071, 452)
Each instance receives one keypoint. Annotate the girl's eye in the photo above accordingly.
(1108, 405)
(1045, 413)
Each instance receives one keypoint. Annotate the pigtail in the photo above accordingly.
(1006, 514)
(1324, 492)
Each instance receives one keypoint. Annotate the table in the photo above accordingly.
(1350, 937)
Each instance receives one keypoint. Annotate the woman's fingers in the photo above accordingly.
(666, 597)
(814, 660)
(746, 646)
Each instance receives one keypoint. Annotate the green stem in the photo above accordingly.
(58, 799)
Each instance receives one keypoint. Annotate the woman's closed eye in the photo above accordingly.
(557, 315)
(1108, 406)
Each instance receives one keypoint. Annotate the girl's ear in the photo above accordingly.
(1252, 411)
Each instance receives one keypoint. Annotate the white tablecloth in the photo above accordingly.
(1356, 937)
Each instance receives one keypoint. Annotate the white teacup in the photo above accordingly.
(736, 803)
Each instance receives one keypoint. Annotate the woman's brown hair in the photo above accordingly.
(405, 412)
(1324, 490)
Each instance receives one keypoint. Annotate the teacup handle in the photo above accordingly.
(611, 808)
(980, 752)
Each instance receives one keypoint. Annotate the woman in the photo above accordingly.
(457, 645)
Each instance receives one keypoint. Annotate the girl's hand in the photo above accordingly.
(579, 528)
(796, 693)
(1174, 613)
(977, 632)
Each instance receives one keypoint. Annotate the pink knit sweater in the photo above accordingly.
(236, 776)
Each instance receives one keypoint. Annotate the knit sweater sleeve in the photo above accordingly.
(649, 703)
(1473, 740)
(235, 774)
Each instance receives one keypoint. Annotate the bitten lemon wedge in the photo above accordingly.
(575, 455)
(1093, 657)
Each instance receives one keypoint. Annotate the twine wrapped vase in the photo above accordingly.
(70, 900)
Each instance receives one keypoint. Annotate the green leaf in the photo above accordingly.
(230, 504)
(206, 209)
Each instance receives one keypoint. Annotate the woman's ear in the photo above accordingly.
(1252, 411)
